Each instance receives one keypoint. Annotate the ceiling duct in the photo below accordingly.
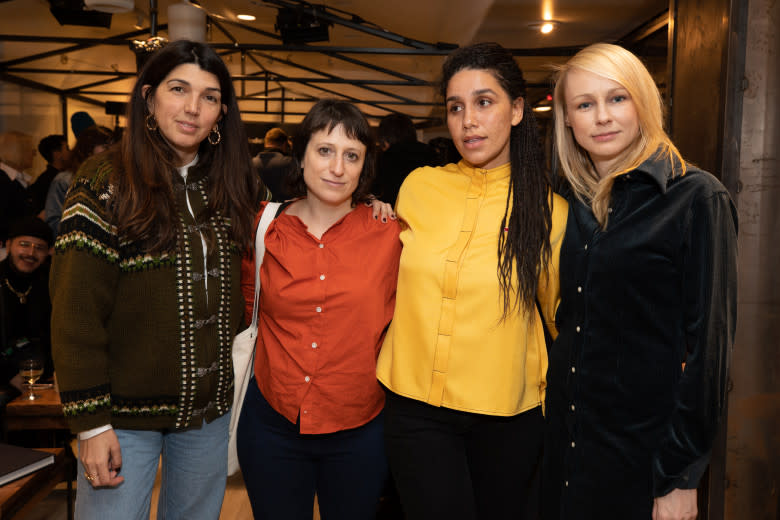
(110, 6)
(71, 12)
(296, 26)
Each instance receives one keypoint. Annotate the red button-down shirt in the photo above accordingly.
(325, 305)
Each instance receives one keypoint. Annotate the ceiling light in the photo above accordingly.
(543, 108)
(186, 22)
(247, 17)
(544, 26)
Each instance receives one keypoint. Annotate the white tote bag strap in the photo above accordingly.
(262, 227)
(244, 343)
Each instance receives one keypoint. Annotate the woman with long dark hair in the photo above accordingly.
(146, 295)
(464, 358)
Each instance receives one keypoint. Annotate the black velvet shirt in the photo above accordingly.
(656, 289)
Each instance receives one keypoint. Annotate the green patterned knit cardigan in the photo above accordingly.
(140, 341)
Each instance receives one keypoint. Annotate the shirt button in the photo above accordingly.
(307, 379)
(586, 247)
(566, 483)
(319, 309)
(579, 289)
(322, 277)
(577, 329)
(313, 345)
(573, 444)
(306, 411)
(572, 408)
(322, 245)
(573, 370)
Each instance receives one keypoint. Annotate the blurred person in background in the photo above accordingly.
(54, 149)
(92, 141)
(16, 156)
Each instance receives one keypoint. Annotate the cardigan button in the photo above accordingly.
(579, 289)
(322, 245)
(307, 379)
(573, 370)
(313, 345)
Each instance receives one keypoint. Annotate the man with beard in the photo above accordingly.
(25, 309)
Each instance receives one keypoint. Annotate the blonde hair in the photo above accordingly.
(13, 147)
(623, 67)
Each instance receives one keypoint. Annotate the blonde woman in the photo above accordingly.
(636, 382)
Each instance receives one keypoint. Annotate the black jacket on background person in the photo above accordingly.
(396, 163)
(40, 188)
(24, 327)
(656, 289)
(274, 168)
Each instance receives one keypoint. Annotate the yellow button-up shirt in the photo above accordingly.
(447, 345)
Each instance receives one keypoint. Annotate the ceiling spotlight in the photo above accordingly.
(544, 26)
(543, 108)
(247, 17)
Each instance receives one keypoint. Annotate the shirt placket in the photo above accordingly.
(315, 341)
(475, 194)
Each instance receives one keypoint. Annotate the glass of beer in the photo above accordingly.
(30, 370)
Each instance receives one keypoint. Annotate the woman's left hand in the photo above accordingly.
(679, 504)
(382, 210)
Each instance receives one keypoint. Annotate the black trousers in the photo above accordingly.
(453, 465)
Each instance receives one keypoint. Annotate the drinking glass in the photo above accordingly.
(30, 369)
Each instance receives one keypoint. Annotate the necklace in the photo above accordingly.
(21, 295)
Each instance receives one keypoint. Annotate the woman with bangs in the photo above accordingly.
(637, 374)
(312, 420)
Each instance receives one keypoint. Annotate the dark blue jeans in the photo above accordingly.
(283, 469)
(449, 464)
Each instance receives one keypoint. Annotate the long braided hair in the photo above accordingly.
(527, 214)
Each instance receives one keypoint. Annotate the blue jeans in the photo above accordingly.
(283, 468)
(194, 471)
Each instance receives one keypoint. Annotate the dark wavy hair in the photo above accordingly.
(326, 115)
(526, 247)
(88, 139)
(144, 206)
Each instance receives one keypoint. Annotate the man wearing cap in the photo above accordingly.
(274, 163)
(25, 309)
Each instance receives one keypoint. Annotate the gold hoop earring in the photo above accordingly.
(214, 140)
(151, 123)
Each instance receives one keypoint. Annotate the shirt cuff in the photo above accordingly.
(88, 434)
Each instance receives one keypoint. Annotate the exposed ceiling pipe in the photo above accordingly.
(153, 18)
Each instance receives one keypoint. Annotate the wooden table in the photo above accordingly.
(19, 496)
(44, 413)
